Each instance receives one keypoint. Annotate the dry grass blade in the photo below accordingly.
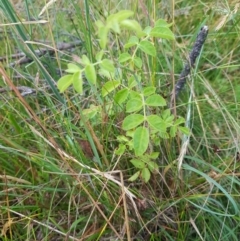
(107, 175)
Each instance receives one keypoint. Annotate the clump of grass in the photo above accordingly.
(52, 186)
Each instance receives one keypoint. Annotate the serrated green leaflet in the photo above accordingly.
(140, 140)
(147, 47)
(72, 68)
(90, 74)
(121, 96)
(134, 105)
(133, 25)
(149, 90)
(120, 16)
(157, 123)
(134, 176)
(64, 82)
(162, 23)
(109, 86)
(137, 62)
(162, 32)
(184, 130)
(156, 100)
(124, 57)
(145, 174)
(77, 82)
(138, 163)
(132, 121)
(85, 60)
(107, 64)
(131, 42)
(153, 166)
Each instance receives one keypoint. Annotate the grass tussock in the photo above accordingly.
(61, 176)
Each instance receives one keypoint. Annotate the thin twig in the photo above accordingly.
(24, 90)
(201, 37)
(22, 58)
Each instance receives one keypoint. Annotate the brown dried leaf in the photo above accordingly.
(86, 148)
(6, 227)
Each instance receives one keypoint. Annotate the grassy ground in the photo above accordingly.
(61, 178)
